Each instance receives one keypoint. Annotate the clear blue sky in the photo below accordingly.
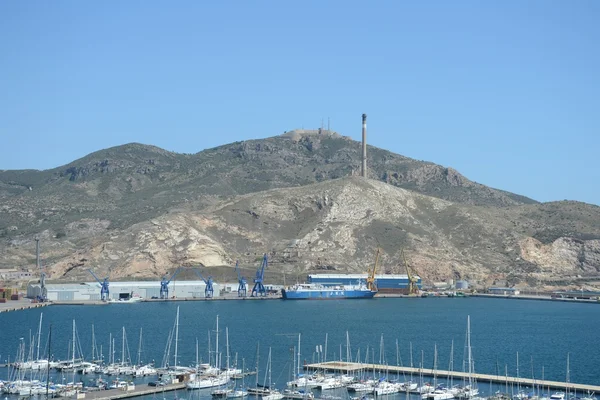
(506, 92)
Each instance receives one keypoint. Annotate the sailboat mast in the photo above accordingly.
(269, 362)
(39, 336)
(298, 361)
(435, 365)
(325, 358)
(210, 349)
(197, 353)
(176, 334)
(348, 354)
(139, 360)
(109, 348)
(48, 369)
(227, 342)
(257, 356)
(123, 347)
(73, 347)
(73, 365)
(217, 358)
(452, 363)
(469, 351)
(93, 345)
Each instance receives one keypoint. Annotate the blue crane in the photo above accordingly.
(259, 288)
(208, 290)
(164, 284)
(104, 293)
(241, 281)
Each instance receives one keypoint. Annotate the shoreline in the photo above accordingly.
(25, 304)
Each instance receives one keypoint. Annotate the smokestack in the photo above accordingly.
(363, 171)
(37, 252)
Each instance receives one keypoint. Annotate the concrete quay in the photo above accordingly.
(22, 304)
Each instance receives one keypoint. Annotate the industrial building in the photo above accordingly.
(385, 283)
(124, 290)
(504, 291)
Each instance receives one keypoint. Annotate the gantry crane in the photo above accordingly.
(371, 281)
(104, 293)
(208, 290)
(164, 284)
(259, 288)
(241, 281)
(413, 288)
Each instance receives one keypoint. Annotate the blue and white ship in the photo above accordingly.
(316, 291)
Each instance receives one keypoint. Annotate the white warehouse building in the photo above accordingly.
(124, 290)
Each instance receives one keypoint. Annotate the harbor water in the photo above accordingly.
(542, 333)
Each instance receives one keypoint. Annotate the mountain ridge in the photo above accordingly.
(117, 192)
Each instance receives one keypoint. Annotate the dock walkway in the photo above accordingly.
(350, 367)
(140, 390)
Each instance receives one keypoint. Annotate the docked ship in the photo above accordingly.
(385, 283)
(317, 291)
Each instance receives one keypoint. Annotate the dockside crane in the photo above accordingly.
(413, 288)
(241, 281)
(371, 282)
(104, 293)
(43, 296)
(164, 284)
(259, 288)
(208, 290)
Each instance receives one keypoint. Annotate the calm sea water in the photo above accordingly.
(541, 332)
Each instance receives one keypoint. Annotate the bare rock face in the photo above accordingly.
(564, 256)
(146, 251)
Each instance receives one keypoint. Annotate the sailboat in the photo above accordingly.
(470, 391)
(239, 393)
(146, 369)
(300, 381)
(273, 394)
(209, 380)
(37, 364)
(170, 374)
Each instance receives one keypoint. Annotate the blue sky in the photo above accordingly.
(506, 92)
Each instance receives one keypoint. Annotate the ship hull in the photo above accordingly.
(326, 294)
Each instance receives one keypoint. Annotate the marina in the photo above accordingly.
(387, 341)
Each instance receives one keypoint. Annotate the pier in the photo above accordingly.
(340, 366)
(112, 394)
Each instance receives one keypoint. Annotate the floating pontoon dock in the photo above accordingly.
(341, 366)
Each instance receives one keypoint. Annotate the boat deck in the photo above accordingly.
(341, 366)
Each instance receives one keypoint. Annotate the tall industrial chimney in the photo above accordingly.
(37, 253)
(363, 170)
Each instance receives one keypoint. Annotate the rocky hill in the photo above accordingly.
(137, 211)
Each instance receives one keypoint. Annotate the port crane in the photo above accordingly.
(371, 281)
(208, 290)
(413, 288)
(241, 281)
(259, 288)
(104, 293)
(164, 284)
(43, 296)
